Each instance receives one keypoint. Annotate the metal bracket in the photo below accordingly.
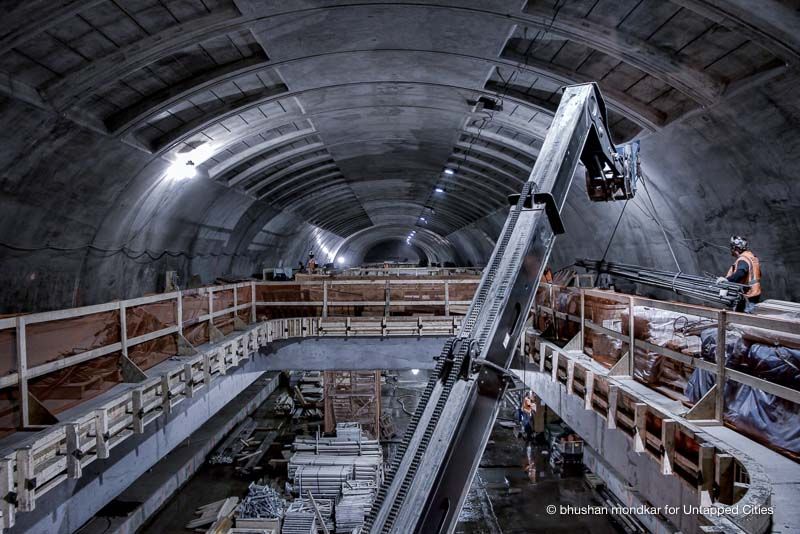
(551, 210)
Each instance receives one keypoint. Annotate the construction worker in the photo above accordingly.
(547, 275)
(746, 270)
(311, 264)
(526, 415)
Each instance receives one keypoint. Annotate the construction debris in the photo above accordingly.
(215, 514)
(357, 497)
(261, 502)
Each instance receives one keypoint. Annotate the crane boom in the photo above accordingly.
(430, 474)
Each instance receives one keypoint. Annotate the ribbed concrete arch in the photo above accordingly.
(316, 140)
(436, 248)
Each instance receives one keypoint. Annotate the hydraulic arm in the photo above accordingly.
(432, 470)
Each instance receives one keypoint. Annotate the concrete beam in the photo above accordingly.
(34, 17)
(81, 83)
(302, 164)
(671, 68)
(121, 122)
(502, 140)
(494, 154)
(256, 150)
(770, 23)
(490, 167)
(265, 165)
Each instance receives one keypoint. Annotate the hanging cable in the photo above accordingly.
(658, 222)
(616, 226)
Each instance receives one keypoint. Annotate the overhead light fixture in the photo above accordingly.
(186, 162)
(415, 371)
(439, 190)
(449, 171)
(340, 260)
(423, 219)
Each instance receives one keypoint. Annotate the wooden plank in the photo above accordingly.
(613, 395)
(25, 480)
(668, 429)
(639, 426)
(721, 357)
(74, 452)
(705, 484)
(588, 385)
(7, 489)
(724, 477)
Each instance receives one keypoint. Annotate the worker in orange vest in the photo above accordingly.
(547, 275)
(746, 270)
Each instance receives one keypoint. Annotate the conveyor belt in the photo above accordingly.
(453, 419)
(455, 360)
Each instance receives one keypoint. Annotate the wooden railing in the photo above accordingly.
(368, 296)
(41, 462)
(711, 407)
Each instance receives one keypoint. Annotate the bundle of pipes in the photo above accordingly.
(357, 498)
(366, 468)
(702, 288)
(349, 431)
(323, 481)
(338, 446)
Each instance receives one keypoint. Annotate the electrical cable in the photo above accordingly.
(130, 253)
(616, 226)
(658, 221)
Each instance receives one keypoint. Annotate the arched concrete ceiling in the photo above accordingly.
(315, 121)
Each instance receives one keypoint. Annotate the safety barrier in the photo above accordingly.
(680, 448)
(365, 296)
(709, 409)
(60, 452)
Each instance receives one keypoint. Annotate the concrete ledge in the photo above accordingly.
(152, 490)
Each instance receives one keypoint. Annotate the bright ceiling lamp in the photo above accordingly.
(449, 171)
(186, 162)
(439, 190)
(340, 260)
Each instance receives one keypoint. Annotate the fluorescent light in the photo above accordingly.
(185, 164)
(439, 190)
(415, 371)
(340, 260)
(181, 170)
(423, 219)
(449, 171)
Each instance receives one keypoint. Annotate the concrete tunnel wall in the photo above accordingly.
(731, 169)
(727, 169)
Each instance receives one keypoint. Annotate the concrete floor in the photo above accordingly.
(507, 495)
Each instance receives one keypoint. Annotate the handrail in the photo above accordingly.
(712, 465)
(722, 317)
(42, 461)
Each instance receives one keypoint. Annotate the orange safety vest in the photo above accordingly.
(753, 273)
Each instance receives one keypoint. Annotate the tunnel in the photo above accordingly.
(149, 146)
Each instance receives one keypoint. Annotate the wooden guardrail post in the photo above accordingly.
(324, 298)
(7, 502)
(721, 356)
(583, 321)
(22, 372)
(446, 298)
(632, 340)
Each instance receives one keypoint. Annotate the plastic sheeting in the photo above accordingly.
(764, 417)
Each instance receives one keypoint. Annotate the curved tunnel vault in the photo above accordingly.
(328, 126)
